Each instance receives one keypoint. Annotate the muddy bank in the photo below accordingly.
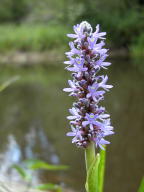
(26, 58)
(51, 56)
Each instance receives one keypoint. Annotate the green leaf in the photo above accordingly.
(37, 164)
(49, 186)
(22, 172)
(8, 82)
(93, 176)
(102, 169)
(141, 187)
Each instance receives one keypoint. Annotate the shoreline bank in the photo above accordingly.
(51, 56)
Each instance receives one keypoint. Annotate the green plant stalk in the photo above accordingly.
(89, 155)
(95, 167)
(90, 160)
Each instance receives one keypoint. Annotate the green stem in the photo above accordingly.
(89, 155)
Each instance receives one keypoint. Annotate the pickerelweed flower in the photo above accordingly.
(89, 121)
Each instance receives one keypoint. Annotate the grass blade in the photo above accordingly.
(8, 83)
(37, 164)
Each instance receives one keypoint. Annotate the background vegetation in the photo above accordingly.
(39, 25)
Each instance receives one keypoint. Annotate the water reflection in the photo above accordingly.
(14, 154)
(35, 136)
(34, 110)
(11, 155)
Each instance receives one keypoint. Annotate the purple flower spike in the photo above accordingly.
(78, 65)
(73, 88)
(96, 95)
(89, 121)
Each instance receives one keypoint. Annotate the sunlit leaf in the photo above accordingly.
(49, 186)
(8, 82)
(141, 187)
(102, 169)
(93, 176)
(37, 164)
(22, 172)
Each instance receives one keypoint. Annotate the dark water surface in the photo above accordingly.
(33, 124)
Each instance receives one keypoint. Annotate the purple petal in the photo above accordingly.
(97, 124)
(108, 133)
(71, 117)
(85, 123)
(72, 69)
(101, 34)
(67, 89)
(91, 127)
(104, 142)
(106, 64)
(74, 140)
(97, 28)
(97, 93)
(71, 134)
(74, 112)
(88, 95)
(72, 35)
(67, 62)
(109, 86)
(71, 83)
(104, 115)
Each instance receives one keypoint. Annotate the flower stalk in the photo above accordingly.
(89, 155)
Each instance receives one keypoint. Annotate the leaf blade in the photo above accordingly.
(141, 187)
(22, 172)
(102, 169)
(92, 175)
(37, 164)
(49, 186)
(8, 83)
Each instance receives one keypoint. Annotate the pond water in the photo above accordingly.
(33, 124)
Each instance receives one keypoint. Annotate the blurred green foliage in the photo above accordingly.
(13, 10)
(38, 164)
(123, 20)
(32, 37)
(137, 48)
(50, 186)
(26, 173)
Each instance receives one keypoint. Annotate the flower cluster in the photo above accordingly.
(89, 121)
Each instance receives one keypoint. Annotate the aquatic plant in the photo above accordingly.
(7, 83)
(89, 121)
(28, 169)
